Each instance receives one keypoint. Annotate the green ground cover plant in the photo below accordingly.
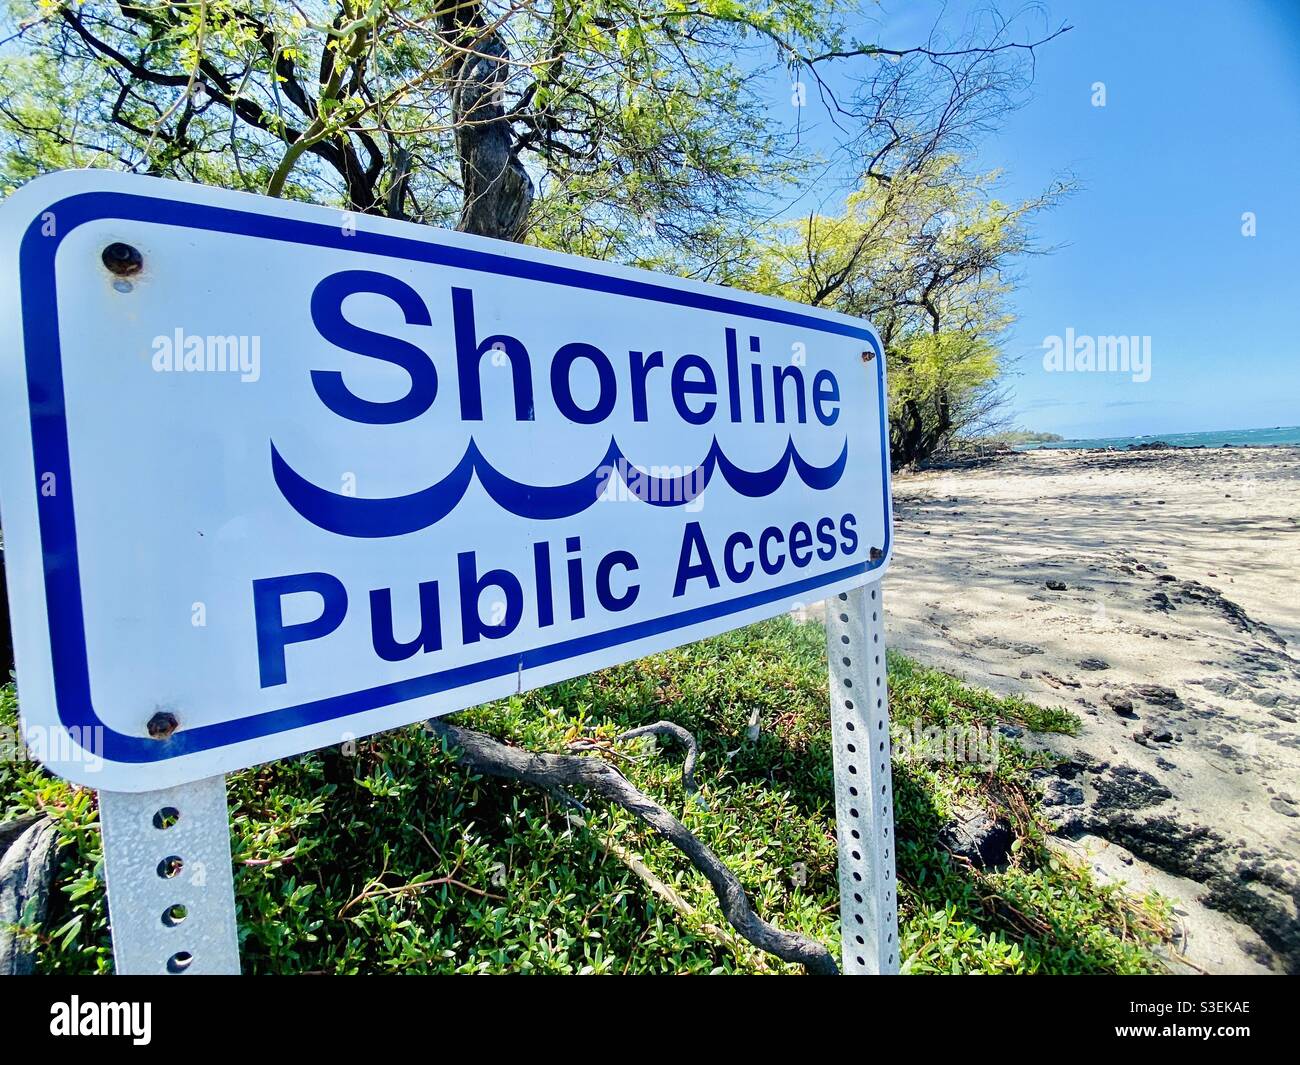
(385, 857)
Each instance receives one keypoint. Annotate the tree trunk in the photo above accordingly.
(29, 857)
(497, 191)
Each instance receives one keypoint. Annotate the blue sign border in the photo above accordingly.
(58, 532)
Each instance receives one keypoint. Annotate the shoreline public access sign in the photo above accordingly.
(274, 476)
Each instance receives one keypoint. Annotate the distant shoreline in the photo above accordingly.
(1154, 445)
(1278, 436)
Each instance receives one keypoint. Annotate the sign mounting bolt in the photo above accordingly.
(162, 725)
(124, 260)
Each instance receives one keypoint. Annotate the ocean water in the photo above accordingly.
(1289, 434)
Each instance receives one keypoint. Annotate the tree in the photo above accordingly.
(927, 256)
(579, 118)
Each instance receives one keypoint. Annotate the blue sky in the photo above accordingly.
(1201, 124)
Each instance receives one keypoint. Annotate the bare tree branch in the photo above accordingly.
(553, 772)
(674, 731)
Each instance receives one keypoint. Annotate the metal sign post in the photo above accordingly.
(864, 794)
(171, 892)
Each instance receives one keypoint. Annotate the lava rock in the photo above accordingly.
(1068, 770)
(1057, 792)
(1128, 788)
(982, 840)
(1219, 685)
(1121, 704)
(1158, 694)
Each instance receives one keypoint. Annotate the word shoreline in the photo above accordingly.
(694, 390)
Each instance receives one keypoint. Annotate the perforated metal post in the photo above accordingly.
(171, 892)
(864, 796)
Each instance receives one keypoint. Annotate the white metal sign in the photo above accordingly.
(274, 475)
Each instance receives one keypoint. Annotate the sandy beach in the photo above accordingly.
(1157, 594)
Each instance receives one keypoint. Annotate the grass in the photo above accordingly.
(387, 858)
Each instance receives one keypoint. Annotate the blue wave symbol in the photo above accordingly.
(394, 516)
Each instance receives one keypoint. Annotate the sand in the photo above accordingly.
(1156, 594)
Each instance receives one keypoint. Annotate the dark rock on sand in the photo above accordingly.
(1157, 694)
(1167, 843)
(1194, 592)
(1058, 792)
(1128, 788)
(1161, 602)
(982, 840)
(1158, 734)
(1121, 704)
